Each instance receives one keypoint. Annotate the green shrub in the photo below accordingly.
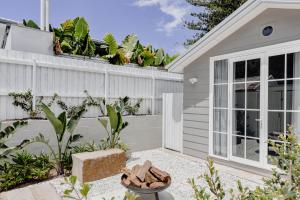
(6, 134)
(64, 129)
(24, 168)
(284, 183)
(113, 126)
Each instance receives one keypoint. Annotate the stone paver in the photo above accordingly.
(42, 191)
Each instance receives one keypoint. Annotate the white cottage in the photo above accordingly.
(242, 84)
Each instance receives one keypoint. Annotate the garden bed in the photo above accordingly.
(144, 132)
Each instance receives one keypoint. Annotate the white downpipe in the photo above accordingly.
(42, 15)
(47, 14)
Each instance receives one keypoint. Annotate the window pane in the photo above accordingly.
(239, 95)
(252, 149)
(253, 70)
(293, 119)
(220, 120)
(239, 71)
(252, 123)
(293, 95)
(238, 146)
(220, 96)
(275, 125)
(276, 95)
(220, 144)
(253, 95)
(221, 71)
(239, 122)
(276, 67)
(293, 65)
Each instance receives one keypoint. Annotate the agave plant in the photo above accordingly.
(113, 126)
(73, 37)
(6, 134)
(64, 132)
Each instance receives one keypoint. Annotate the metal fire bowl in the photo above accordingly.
(143, 190)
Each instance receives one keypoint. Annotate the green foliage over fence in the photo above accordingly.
(73, 37)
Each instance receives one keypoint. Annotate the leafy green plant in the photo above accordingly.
(73, 37)
(6, 134)
(24, 168)
(284, 183)
(124, 106)
(113, 126)
(131, 196)
(72, 192)
(24, 100)
(114, 54)
(30, 23)
(64, 132)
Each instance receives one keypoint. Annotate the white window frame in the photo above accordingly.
(263, 53)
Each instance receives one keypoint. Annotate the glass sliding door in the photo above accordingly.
(245, 110)
(220, 108)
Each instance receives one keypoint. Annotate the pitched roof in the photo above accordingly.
(232, 23)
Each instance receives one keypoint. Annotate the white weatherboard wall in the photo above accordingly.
(45, 75)
(172, 121)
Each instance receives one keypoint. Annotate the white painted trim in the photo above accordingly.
(232, 23)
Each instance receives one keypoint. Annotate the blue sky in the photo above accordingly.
(156, 22)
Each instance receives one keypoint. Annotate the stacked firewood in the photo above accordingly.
(146, 176)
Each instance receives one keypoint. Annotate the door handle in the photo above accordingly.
(260, 122)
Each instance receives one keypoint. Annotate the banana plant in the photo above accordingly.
(30, 23)
(6, 134)
(64, 132)
(73, 37)
(113, 126)
(114, 53)
(128, 44)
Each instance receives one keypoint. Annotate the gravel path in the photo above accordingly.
(179, 166)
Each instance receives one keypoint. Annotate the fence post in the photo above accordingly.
(153, 93)
(106, 80)
(33, 89)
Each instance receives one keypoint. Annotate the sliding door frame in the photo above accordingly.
(263, 53)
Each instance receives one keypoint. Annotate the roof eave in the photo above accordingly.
(236, 20)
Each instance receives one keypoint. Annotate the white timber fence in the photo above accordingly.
(46, 75)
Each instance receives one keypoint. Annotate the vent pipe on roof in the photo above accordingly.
(44, 15)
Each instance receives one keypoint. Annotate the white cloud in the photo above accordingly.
(177, 9)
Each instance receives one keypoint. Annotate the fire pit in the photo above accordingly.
(146, 179)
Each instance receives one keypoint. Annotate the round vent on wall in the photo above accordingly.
(267, 31)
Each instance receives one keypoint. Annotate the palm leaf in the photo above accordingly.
(56, 123)
(128, 44)
(113, 117)
(111, 42)
(81, 29)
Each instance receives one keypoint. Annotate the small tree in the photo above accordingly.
(212, 13)
(284, 183)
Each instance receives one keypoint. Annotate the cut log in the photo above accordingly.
(126, 181)
(135, 169)
(143, 170)
(144, 186)
(161, 175)
(150, 178)
(135, 181)
(157, 185)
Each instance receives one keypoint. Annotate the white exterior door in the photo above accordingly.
(254, 97)
(172, 121)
